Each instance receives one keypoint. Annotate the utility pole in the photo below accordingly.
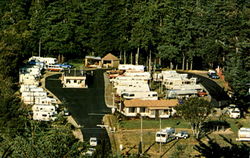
(141, 137)
(160, 136)
(39, 51)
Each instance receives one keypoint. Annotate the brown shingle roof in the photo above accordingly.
(150, 103)
(109, 57)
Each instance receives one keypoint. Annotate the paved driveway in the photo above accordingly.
(87, 106)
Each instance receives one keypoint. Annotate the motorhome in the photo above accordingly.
(129, 78)
(151, 95)
(43, 107)
(129, 83)
(26, 87)
(243, 134)
(46, 100)
(34, 94)
(129, 67)
(132, 88)
(45, 60)
(54, 68)
(34, 70)
(28, 79)
(30, 99)
(164, 135)
(180, 93)
(44, 116)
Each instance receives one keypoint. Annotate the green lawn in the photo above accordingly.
(151, 124)
(77, 63)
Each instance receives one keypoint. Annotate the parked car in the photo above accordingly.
(90, 152)
(93, 141)
(202, 93)
(212, 74)
(181, 134)
(233, 111)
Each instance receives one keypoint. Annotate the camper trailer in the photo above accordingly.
(44, 116)
(129, 67)
(46, 100)
(28, 79)
(180, 93)
(129, 83)
(243, 134)
(27, 87)
(164, 135)
(43, 107)
(132, 88)
(150, 95)
(34, 94)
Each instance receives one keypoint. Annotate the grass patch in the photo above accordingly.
(77, 63)
(152, 124)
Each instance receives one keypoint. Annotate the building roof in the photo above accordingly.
(152, 104)
(74, 72)
(109, 57)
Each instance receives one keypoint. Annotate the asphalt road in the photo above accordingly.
(87, 105)
(219, 96)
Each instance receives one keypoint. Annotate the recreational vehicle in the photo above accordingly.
(243, 134)
(43, 107)
(163, 135)
(180, 93)
(46, 100)
(129, 67)
(26, 87)
(28, 79)
(132, 88)
(34, 94)
(150, 95)
(44, 116)
(129, 83)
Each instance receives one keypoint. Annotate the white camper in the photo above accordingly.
(34, 94)
(180, 93)
(46, 100)
(163, 135)
(44, 116)
(130, 67)
(26, 87)
(132, 88)
(151, 95)
(43, 107)
(243, 134)
(28, 79)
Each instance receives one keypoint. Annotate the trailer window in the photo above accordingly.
(154, 95)
(142, 109)
(132, 95)
(132, 110)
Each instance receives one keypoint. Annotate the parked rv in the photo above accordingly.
(243, 134)
(180, 93)
(43, 107)
(164, 135)
(44, 116)
(150, 95)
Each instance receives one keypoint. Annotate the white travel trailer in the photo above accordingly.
(33, 70)
(46, 60)
(26, 87)
(138, 74)
(44, 108)
(130, 67)
(34, 94)
(28, 79)
(133, 88)
(151, 95)
(129, 83)
(30, 99)
(180, 93)
(129, 78)
(44, 116)
(46, 100)
(163, 135)
(243, 134)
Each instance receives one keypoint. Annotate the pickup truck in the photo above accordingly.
(212, 74)
(181, 134)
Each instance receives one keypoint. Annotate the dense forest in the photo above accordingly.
(178, 34)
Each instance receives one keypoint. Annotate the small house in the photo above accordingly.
(74, 79)
(148, 108)
(110, 61)
(93, 62)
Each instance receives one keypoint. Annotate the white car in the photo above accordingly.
(234, 113)
(93, 141)
(181, 134)
(90, 152)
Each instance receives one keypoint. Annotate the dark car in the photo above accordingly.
(213, 76)
(65, 65)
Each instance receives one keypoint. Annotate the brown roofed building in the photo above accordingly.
(149, 108)
(110, 61)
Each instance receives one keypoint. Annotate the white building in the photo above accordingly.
(148, 108)
(74, 79)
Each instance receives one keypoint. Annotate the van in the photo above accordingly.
(163, 135)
